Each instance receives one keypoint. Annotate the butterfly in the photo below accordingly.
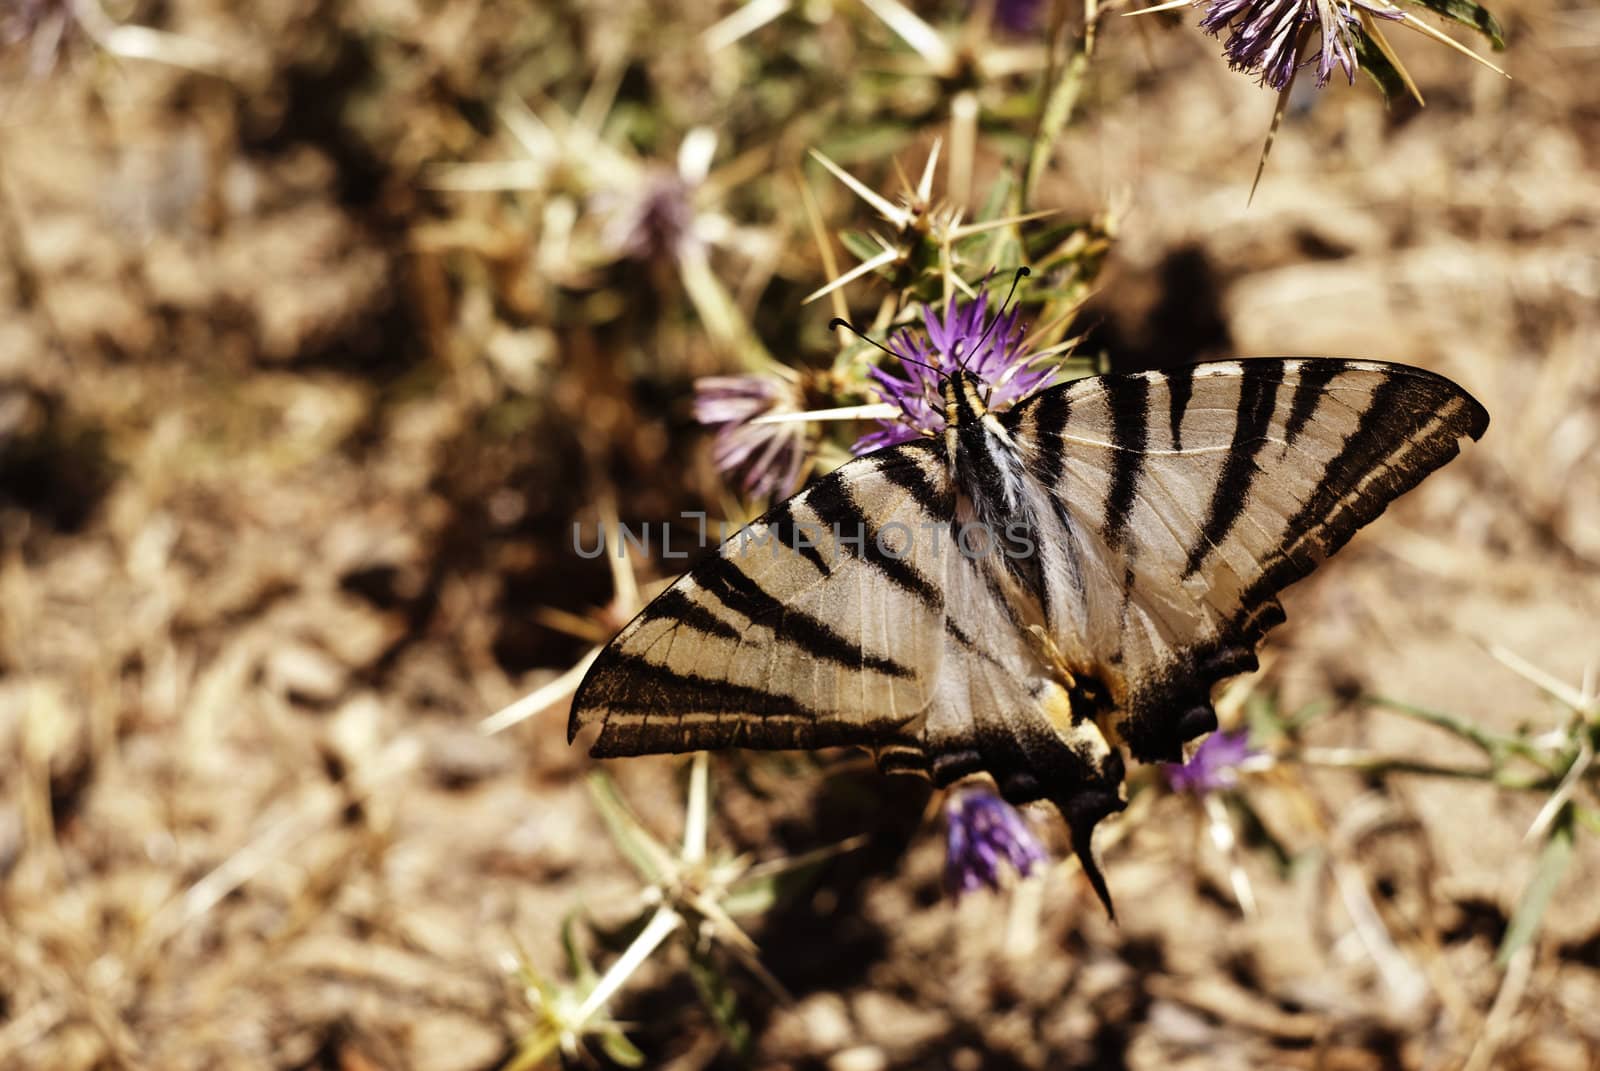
(1039, 590)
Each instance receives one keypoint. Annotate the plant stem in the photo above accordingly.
(1060, 103)
(661, 924)
(1495, 745)
(1367, 762)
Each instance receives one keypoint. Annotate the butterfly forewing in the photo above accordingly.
(1239, 479)
(822, 623)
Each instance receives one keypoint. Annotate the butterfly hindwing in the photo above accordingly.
(1191, 498)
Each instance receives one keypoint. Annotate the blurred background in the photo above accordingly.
(321, 323)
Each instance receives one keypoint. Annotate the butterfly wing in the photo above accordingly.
(849, 616)
(819, 624)
(1167, 511)
(1180, 503)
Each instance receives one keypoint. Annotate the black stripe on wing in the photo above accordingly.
(633, 684)
(906, 473)
(716, 600)
(677, 606)
(1128, 398)
(726, 582)
(1049, 415)
(655, 711)
(1180, 388)
(803, 539)
(1258, 387)
(1308, 393)
(1384, 422)
(1412, 424)
(855, 533)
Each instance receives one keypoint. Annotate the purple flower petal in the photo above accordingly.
(1018, 16)
(656, 220)
(767, 459)
(1266, 36)
(1214, 765)
(984, 831)
(964, 335)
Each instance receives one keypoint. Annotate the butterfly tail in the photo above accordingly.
(1083, 813)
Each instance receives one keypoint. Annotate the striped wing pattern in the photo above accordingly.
(915, 654)
(1188, 499)
(1166, 511)
(789, 637)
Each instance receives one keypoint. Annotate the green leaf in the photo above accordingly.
(720, 1000)
(998, 248)
(860, 244)
(1076, 367)
(536, 1050)
(615, 1044)
(646, 854)
(995, 205)
(578, 965)
(1066, 255)
(867, 142)
(1054, 238)
(1004, 253)
(1468, 14)
(1378, 67)
(1268, 720)
(1553, 863)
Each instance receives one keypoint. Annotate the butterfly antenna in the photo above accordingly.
(1021, 274)
(839, 321)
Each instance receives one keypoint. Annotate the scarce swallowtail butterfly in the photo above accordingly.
(1139, 528)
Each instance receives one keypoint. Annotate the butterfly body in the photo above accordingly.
(1035, 591)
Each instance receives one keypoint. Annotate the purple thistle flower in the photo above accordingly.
(656, 221)
(949, 343)
(1018, 16)
(1266, 35)
(768, 457)
(984, 831)
(1214, 765)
